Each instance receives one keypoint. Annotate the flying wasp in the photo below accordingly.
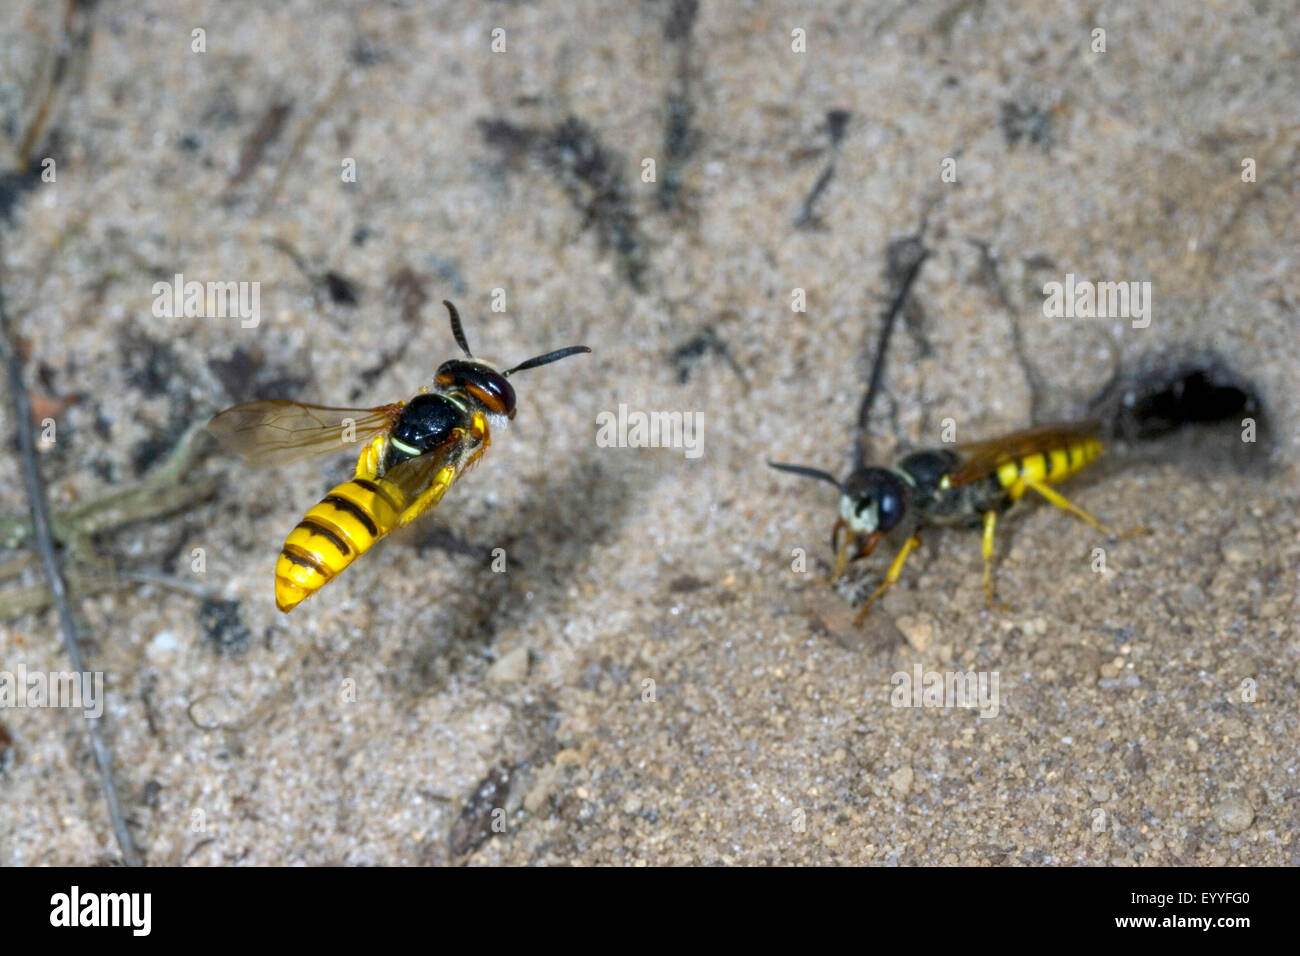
(414, 451)
(970, 485)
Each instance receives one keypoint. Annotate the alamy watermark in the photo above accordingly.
(211, 300)
(1084, 299)
(970, 689)
(130, 910)
(637, 429)
(83, 691)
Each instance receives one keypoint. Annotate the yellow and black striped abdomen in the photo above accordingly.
(1049, 466)
(346, 523)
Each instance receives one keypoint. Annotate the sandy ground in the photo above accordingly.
(651, 681)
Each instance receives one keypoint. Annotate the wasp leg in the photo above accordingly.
(841, 553)
(371, 458)
(478, 431)
(990, 523)
(891, 577)
(1066, 505)
(429, 497)
(860, 545)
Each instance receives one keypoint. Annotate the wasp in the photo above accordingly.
(413, 452)
(967, 485)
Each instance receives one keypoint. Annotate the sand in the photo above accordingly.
(650, 681)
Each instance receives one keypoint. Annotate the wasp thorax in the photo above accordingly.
(873, 499)
(426, 422)
(482, 382)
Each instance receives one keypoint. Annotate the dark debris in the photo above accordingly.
(341, 289)
(680, 20)
(6, 749)
(223, 627)
(474, 827)
(14, 187)
(837, 121)
(590, 175)
(266, 132)
(689, 357)
(151, 366)
(246, 376)
(1028, 121)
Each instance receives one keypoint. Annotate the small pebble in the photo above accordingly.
(540, 795)
(164, 644)
(510, 668)
(901, 781)
(1241, 546)
(918, 629)
(1233, 728)
(1234, 814)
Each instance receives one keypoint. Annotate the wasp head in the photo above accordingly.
(484, 384)
(481, 381)
(872, 500)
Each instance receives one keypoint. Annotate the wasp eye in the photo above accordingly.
(891, 508)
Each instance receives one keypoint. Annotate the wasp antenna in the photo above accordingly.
(547, 359)
(806, 472)
(456, 329)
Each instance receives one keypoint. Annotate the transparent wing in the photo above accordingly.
(276, 432)
(985, 457)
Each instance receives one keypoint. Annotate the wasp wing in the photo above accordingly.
(983, 458)
(276, 432)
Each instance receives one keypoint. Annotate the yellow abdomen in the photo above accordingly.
(346, 523)
(1048, 467)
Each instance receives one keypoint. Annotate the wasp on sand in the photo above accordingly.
(967, 485)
